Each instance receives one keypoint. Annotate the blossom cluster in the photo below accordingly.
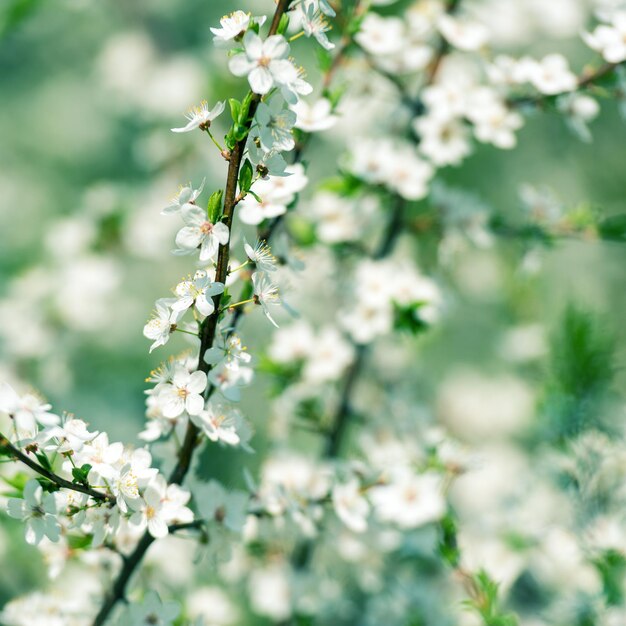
(363, 490)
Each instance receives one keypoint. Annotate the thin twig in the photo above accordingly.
(59, 481)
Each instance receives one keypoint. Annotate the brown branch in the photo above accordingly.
(586, 80)
(207, 337)
(7, 447)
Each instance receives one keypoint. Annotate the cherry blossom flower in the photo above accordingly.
(38, 510)
(274, 124)
(232, 26)
(201, 117)
(198, 292)
(314, 24)
(265, 293)
(200, 232)
(264, 62)
(261, 256)
(381, 35)
(463, 34)
(350, 506)
(72, 435)
(157, 508)
(186, 195)
(610, 40)
(552, 75)
(230, 351)
(219, 423)
(183, 393)
(101, 455)
(409, 500)
(314, 117)
(153, 611)
(27, 411)
(160, 327)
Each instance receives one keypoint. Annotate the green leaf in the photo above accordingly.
(230, 140)
(240, 131)
(245, 176)
(214, 206)
(44, 461)
(448, 547)
(235, 108)
(283, 24)
(80, 474)
(79, 542)
(245, 110)
(611, 566)
(613, 228)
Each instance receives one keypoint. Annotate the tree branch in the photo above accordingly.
(207, 337)
(15, 452)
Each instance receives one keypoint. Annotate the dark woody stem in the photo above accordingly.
(206, 334)
(8, 448)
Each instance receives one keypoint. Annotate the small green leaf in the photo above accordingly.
(44, 461)
(230, 140)
(245, 176)
(245, 109)
(214, 207)
(80, 474)
(613, 228)
(235, 108)
(240, 131)
(283, 24)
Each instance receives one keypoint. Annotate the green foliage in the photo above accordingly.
(580, 373)
(245, 176)
(612, 569)
(448, 544)
(80, 474)
(485, 602)
(214, 207)
(406, 318)
(345, 185)
(613, 228)
(283, 24)
(14, 12)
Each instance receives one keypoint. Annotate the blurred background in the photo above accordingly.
(89, 91)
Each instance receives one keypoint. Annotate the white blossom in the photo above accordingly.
(232, 26)
(198, 292)
(315, 117)
(160, 327)
(186, 195)
(183, 393)
(38, 510)
(409, 500)
(265, 63)
(610, 40)
(350, 506)
(219, 423)
(200, 232)
(261, 256)
(265, 293)
(201, 117)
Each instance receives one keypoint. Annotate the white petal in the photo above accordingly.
(189, 237)
(239, 65)
(260, 80)
(197, 382)
(220, 230)
(204, 305)
(194, 404)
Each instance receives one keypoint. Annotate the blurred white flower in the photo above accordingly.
(38, 510)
